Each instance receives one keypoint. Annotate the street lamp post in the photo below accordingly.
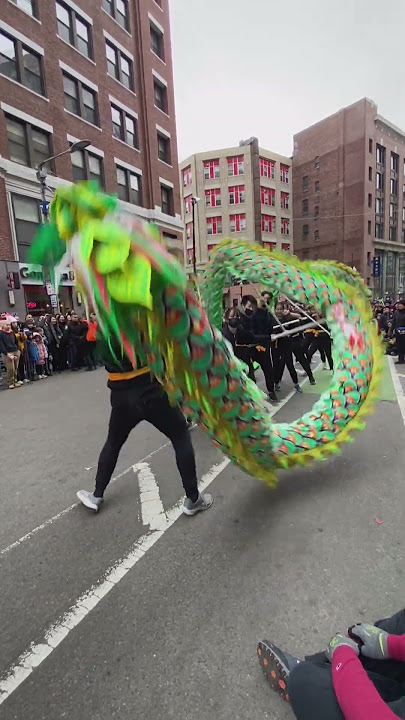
(42, 174)
(194, 201)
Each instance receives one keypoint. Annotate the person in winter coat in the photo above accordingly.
(10, 354)
(76, 336)
(53, 335)
(360, 677)
(21, 340)
(33, 355)
(39, 341)
(91, 343)
(231, 319)
(398, 331)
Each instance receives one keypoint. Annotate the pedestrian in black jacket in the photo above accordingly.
(398, 330)
(287, 346)
(254, 347)
(76, 336)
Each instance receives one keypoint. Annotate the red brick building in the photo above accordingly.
(348, 195)
(99, 70)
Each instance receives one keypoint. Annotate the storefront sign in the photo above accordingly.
(31, 274)
(54, 301)
(377, 266)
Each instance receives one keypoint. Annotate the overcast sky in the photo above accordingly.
(272, 67)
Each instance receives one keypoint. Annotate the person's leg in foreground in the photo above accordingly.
(263, 357)
(308, 685)
(296, 346)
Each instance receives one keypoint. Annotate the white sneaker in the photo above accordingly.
(19, 383)
(11, 387)
(44, 377)
(26, 381)
(88, 499)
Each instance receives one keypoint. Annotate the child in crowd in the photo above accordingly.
(42, 355)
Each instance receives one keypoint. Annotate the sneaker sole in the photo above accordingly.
(190, 513)
(275, 671)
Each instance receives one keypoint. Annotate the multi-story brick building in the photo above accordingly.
(349, 195)
(243, 192)
(99, 70)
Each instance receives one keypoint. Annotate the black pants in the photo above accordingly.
(324, 345)
(91, 359)
(263, 357)
(298, 351)
(400, 338)
(282, 356)
(243, 352)
(311, 690)
(146, 400)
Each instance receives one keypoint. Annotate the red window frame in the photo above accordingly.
(215, 224)
(284, 173)
(236, 165)
(213, 169)
(212, 196)
(285, 226)
(189, 255)
(286, 247)
(267, 168)
(269, 245)
(285, 201)
(188, 203)
(240, 222)
(238, 194)
(189, 230)
(268, 196)
(187, 177)
(271, 222)
(210, 248)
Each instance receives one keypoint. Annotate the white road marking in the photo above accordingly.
(152, 510)
(51, 520)
(397, 387)
(38, 652)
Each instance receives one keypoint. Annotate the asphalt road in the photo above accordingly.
(133, 613)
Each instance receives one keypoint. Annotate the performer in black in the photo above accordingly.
(253, 338)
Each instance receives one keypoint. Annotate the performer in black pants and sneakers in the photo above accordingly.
(285, 347)
(254, 347)
(137, 396)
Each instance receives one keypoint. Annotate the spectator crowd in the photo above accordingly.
(38, 347)
(390, 318)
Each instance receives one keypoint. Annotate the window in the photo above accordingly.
(236, 165)
(369, 227)
(317, 162)
(317, 185)
(380, 154)
(188, 203)
(210, 248)
(305, 182)
(26, 221)
(129, 186)
(18, 62)
(370, 145)
(285, 247)
(305, 207)
(187, 177)
(378, 206)
(316, 235)
(213, 197)
(393, 186)
(379, 180)
(86, 166)
(124, 126)
(284, 173)
(305, 254)
(392, 234)
(268, 223)
(370, 173)
(285, 201)
(163, 148)
(237, 222)
(73, 29)
(268, 196)
(305, 232)
(30, 6)
(214, 225)
(369, 257)
(119, 66)
(285, 226)
(156, 41)
(28, 145)
(211, 169)
(370, 201)
(189, 231)
(160, 95)
(316, 211)
(394, 162)
(267, 168)
(269, 245)
(189, 255)
(393, 212)
(79, 99)
(236, 194)
(167, 199)
(118, 9)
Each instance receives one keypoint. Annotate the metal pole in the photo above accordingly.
(296, 330)
(194, 258)
(297, 307)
